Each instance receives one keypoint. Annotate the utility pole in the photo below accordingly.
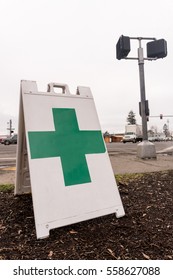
(10, 128)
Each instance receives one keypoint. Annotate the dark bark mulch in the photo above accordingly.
(145, 232)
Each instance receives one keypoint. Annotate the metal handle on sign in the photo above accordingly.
(64, 87)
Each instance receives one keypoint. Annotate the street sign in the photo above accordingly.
(62, 158)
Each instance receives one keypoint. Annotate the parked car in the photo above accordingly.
(10, 140)
(2, 138)
(152, 138)
(168, 138)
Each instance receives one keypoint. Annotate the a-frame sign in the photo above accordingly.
(62, 158)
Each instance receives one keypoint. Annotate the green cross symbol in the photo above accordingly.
(69, 143)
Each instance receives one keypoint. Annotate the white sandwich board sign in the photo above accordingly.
(62, 158)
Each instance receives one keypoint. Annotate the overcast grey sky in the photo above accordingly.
(74, 42)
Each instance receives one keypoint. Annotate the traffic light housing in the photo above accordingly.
(161, 116)
(147, 110)
(157, 49)
(122, 47)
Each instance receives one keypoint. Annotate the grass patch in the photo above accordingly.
(128, 177)
(6, 187)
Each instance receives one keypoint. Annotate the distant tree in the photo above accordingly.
(154, 129)
(131, 119)
(166, 130)
(150, 132)
(106, 133)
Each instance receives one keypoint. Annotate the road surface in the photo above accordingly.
(8, 153)
(122, 157)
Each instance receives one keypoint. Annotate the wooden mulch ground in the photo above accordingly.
(145, 232)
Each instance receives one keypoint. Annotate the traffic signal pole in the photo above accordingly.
(145, 149)
(155, 49)
(142, 91)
